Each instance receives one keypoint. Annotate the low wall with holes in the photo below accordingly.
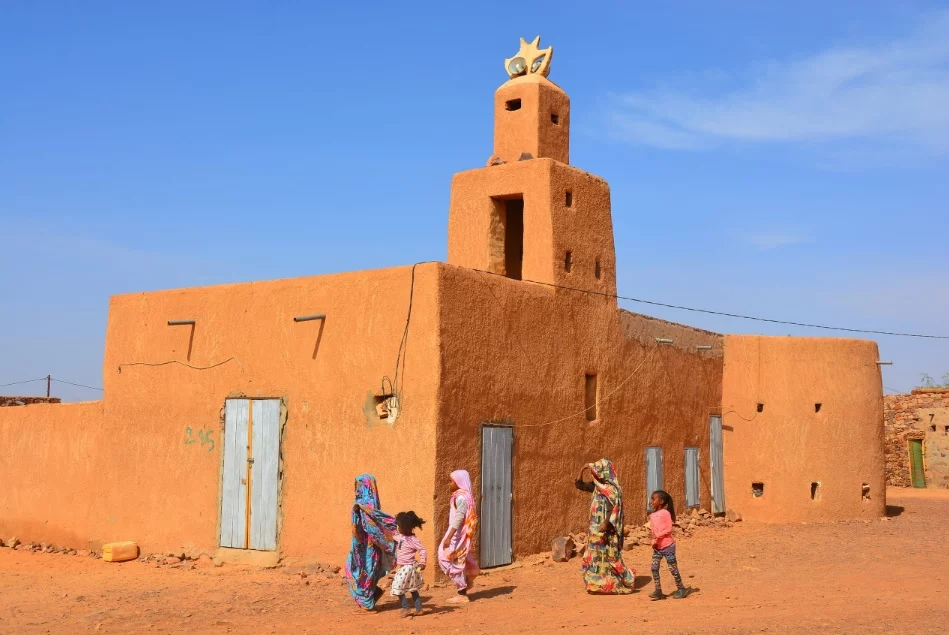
(802, 428)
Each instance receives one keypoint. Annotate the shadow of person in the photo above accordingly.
(640, 581)
(894, 510)
(487, 594)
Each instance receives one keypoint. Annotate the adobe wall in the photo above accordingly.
(517, 353)
(128, 468)
(788, 445)
(924, 414)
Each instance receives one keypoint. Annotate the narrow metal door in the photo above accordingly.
(653, 473)
(692, 477)
(249, 487)
(717, 464)
(496, 495)
(234, 486)
(917, 472)
(263, 493)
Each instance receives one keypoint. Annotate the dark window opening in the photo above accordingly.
(760, 407)
(596, 269)
(945, 429)
(757, 490)
(817, 407)
(568, 199)
(513, 104)
(815, 491)
(568, 261)
(865, 492)
(555, 119)
(590, 387)
(506, 242)
(933, 427)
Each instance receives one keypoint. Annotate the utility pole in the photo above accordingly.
(48, 378)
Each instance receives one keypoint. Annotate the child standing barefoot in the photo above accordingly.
(663, 546)
(408, 578)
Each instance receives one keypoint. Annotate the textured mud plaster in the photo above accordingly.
(164, 493)
(788, 446)
(238, 394)
(519, 353)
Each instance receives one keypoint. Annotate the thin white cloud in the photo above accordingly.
(773, 240)
(893, 94)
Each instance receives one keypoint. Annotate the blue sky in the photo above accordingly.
(787, 160)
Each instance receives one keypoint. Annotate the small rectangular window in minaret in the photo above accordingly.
(512, 104)
(590, 390)
(568, 262)
(596, 269)
(568, 199)
(555, 119)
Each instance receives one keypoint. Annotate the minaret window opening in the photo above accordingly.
(507, 237)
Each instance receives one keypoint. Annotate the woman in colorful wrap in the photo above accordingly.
(454, 552)
(604, 571)
(372, 547)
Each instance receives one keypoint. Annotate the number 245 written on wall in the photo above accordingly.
(204, 436)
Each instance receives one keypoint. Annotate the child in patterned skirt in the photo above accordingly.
(408, 578)
(663, 546)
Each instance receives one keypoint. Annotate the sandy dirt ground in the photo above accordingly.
(881, 576)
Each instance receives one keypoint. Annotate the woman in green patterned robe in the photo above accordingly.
(604, 571)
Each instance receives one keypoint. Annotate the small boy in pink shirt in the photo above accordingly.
(663, 546)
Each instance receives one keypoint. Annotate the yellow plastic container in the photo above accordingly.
(119, 551)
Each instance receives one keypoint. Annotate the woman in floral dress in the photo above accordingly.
(604, 571)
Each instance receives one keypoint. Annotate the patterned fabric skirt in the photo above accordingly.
(407, 579)
(604, 571)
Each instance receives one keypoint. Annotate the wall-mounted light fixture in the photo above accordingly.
(308, 318)
(881, 362)
(664, 340)
(704, 347)
(180, 322)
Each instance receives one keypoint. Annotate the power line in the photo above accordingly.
(25, 381)
(723, 313)
(63, 381)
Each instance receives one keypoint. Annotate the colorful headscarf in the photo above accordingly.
(608, 492)
(463, 546)
(372, 546)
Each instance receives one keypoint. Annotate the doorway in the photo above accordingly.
(497, 443)
(717, 464)
(653, 474)
(917, 471)
(251, 462)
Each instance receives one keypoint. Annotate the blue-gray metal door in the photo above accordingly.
(653, 473)
(692, 498)
(496, 495)
(249, 487)
(717, 464)
(234, 486)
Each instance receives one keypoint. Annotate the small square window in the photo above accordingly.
(815, 491)
(512, 104)
(760, 407)
(555, 119)
(568, 199)
(817, 407)
(757, 490)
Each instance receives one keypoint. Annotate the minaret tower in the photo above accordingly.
(529, 215)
